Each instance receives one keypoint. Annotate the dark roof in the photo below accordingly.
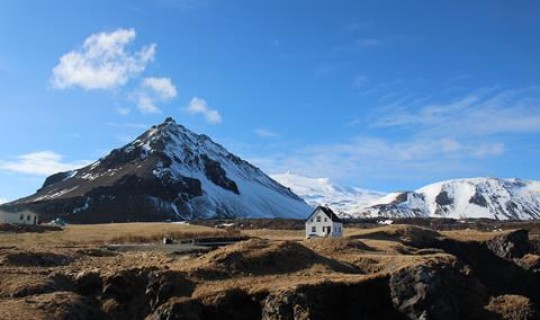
(329, 213)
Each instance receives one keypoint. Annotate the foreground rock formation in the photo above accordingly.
(394, 272)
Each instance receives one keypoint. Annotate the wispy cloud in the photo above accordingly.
(323, 70)
(123, 111)
(378, 159)
(2, 200)
(360, 81)
(200, 106)
(163, 87)
(429, 140)
(129, 125)
(265, 133)
(102, 62)
(478, 114)
(41, 163)
(360, 44)
(184, 4)
(153, 90)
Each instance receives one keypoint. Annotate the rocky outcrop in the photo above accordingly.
(367, 299)
(437, 292)
(510, 245)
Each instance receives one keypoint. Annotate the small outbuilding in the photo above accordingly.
(23, 217)
(323, 222)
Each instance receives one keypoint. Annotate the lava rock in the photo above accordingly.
(510, 245)
(436, 292)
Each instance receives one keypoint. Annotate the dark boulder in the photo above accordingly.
(510, 245)
(179, 309)
(88, 283)
(436, 292)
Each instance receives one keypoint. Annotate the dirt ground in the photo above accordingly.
(76, 273)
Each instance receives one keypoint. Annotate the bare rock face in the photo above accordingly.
(182, 309)
(510, 245)
(285, 306)
(436, 292)
(366, 299)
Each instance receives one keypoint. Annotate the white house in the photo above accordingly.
(323, 222)
(23, 217)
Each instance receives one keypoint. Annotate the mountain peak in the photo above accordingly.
(169, 120)
(168, 172)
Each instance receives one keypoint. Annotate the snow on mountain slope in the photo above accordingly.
(500, 199)
(345, 201)
(168, 172)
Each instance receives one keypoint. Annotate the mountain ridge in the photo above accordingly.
(494, 198)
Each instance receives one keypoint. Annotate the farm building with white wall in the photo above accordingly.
(323, 222)
(23, 217)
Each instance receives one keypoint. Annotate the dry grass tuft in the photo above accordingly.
(512, 307)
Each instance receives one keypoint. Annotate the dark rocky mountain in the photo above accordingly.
(167, 173)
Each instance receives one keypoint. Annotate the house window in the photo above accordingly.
(313, 229)
(22, 216)
(325, 220)
(28, 218)
(318, 219)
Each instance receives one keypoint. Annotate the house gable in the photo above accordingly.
(327, 212)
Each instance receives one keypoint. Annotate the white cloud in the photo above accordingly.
(200, 106)
(146, 105)
(41, 163)
(2, 200)
(103, 62)
(265, 133)
(163, 87)
(153, 90)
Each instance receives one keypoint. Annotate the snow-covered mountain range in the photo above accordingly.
(345, 201)
(171, 173)
(492, 198)
(168, 172)
(500, 199)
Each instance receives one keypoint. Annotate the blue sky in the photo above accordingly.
(386, 95)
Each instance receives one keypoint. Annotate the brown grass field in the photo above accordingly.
(41, 274)
(100, 234)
